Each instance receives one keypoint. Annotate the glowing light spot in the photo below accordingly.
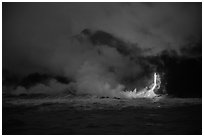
(145, 93)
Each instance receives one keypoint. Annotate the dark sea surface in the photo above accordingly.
(39, 115)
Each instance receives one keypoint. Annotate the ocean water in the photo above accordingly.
(101, 115)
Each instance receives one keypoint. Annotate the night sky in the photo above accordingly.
(84, 45)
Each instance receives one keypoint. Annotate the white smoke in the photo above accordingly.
(94, 73)
(43, 44)
(94, 79)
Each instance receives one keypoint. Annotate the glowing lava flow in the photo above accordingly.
(145, 93)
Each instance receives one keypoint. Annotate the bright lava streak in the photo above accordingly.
(145, 93)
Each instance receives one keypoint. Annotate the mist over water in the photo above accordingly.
(96, 69)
